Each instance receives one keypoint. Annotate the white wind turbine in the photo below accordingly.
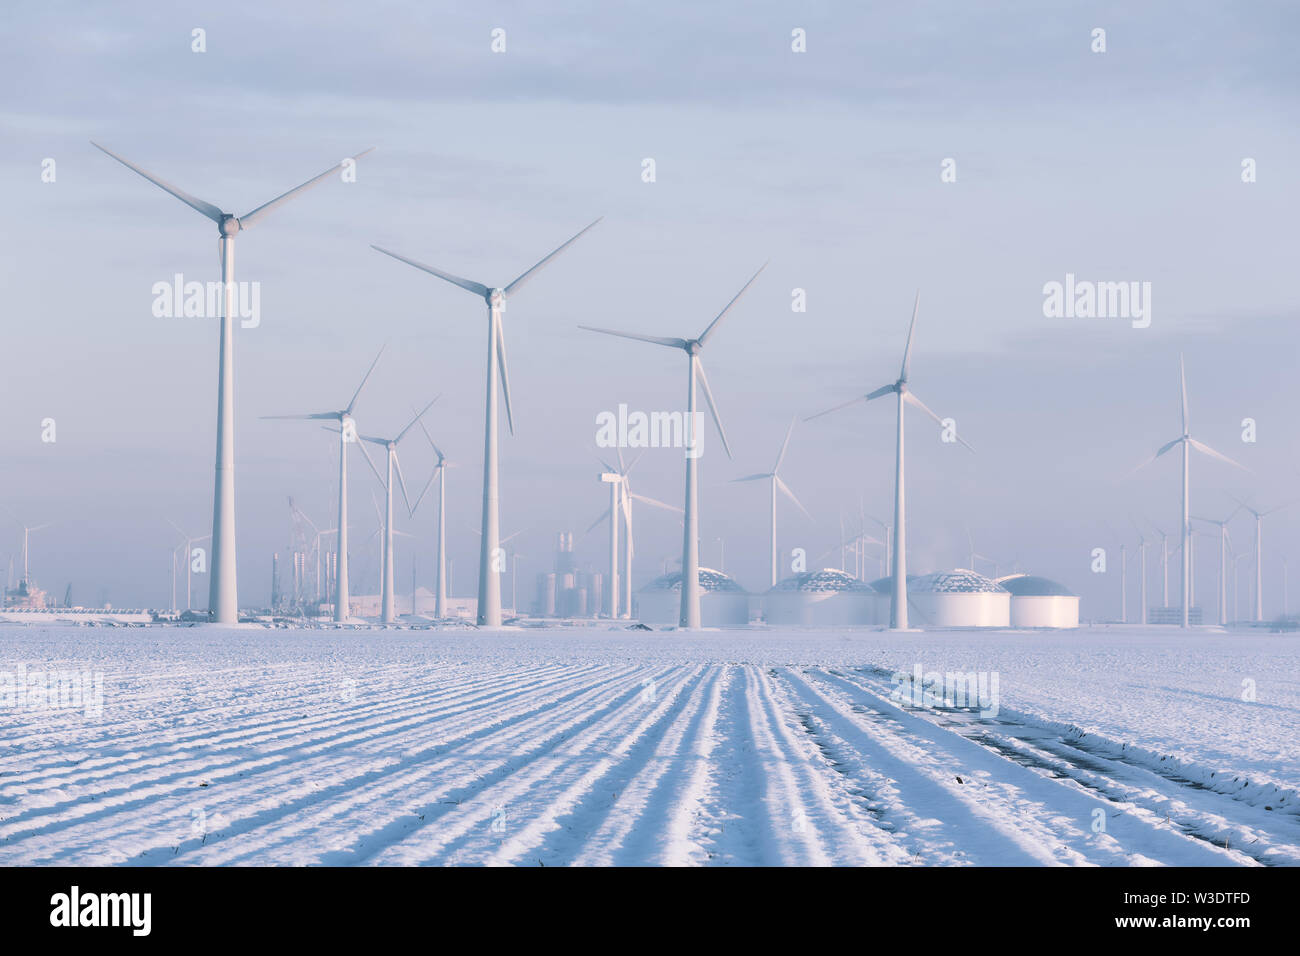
(190, 541)
(1225, 544)
(387, 603)
(223, 598)
(347, 435)
(489, 580)
(1188, 443)
(776, 484)
(439, 474)
(626, 497)
(690, 608)
(1259, 544)
(898, 603)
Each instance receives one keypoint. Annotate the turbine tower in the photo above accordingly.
(689, 616)
(489, 580)
(347, 435)
(223, 598)
(1187, 442)
(1142, 569)
(388, 612)
(775, 484)
(440, 474)
(1259, 563)
(898, 603)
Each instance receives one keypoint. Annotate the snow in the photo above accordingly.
(588, 745)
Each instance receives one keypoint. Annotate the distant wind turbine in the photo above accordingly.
(388, 600)
(898, 603)
(627, 496)
(489, 580)
(689, 616)
(223, 599)
(776, 484)
(1187, 442)
(439, 474)
(347, 435)
(1259, 546)
(1224, 545)
(190, 541)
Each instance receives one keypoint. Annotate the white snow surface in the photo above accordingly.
(556, 746)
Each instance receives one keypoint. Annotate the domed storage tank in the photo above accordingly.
(957, 598)
(1041, 602)
(723, 602)
(820, 598)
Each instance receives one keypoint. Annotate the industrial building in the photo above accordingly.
(723, 602)
(958, 598)
(567, 591)
(822, 598)
(1040, 602)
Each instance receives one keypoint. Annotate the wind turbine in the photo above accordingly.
(1142, 568)
(347, 435)
(898, 603)
(27, 577)
(627, 496)
(190, 541)
(1187, 442)
(689, 616)
(1259, 564)
(775, 483)
(489, 581)
(388, 606)
(1224, 545)
(439, 473)
(223, 601)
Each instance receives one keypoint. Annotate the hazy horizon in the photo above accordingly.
(1118, 166)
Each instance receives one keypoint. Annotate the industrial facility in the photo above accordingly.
(822, 598)
(723, 602)
(958, 598)
(1040, 602)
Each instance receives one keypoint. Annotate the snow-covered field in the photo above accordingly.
(593, 746)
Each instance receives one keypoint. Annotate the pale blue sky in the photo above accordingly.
(1124, 165)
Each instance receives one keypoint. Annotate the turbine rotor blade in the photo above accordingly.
(1182, 375)
(836, 408)
(911, 399)
(653, 339)
(501, 364)
(314, 416)
(654, 503)
(402, 433)
(713, 408)
(371, 463)
(911, 331)
(518, 283)
(595, 524)
(199, 205)
(790, 494)
(755, 477)
(1205, 449)
(704, 336)
(357, 394)
(249, 218)
(401, 480)
(784, 445)
(468, 285)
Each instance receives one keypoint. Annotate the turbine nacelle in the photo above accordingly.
(228, 226)
(693, 346)
(496, 298)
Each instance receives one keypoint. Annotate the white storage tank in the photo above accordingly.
(1041, 602)
(819, 598)
(957, 598)
(723, 602)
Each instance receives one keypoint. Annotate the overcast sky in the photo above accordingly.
(1122, 165)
